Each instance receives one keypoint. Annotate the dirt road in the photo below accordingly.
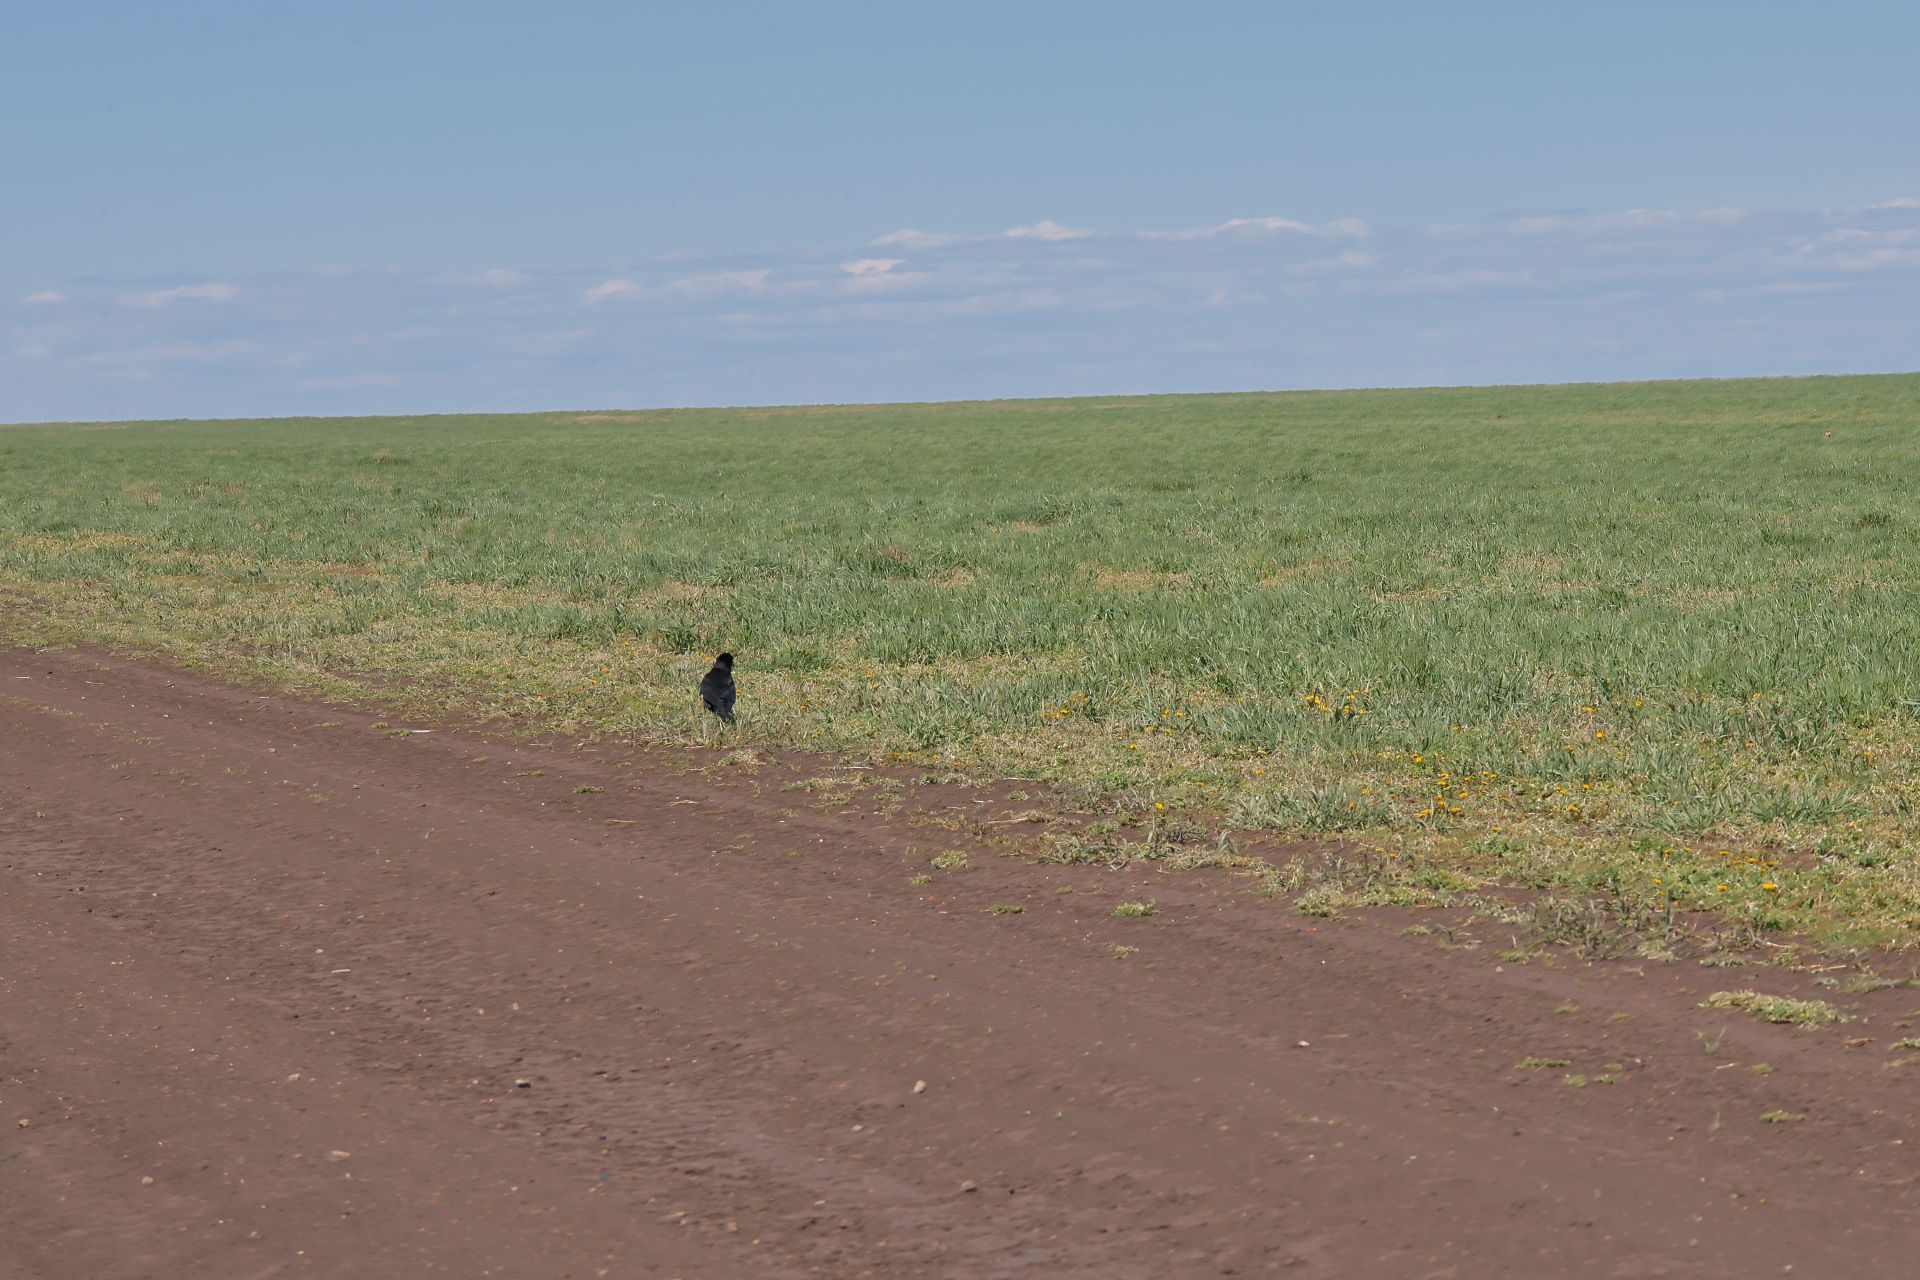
(287, 992)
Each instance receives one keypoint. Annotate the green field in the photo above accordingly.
(1660, 638)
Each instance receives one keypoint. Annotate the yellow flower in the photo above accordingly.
(1159, 805)
(1598, 734)
(1770, 886)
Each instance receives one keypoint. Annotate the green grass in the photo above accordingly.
(1634, 638)
(1799, 1013)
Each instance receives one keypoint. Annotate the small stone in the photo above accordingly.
(919, 1086)
(147, 1181)
(1303, 1045)
(339, 1155)
(969, 1185)
(523, 1084)
(24, 1123)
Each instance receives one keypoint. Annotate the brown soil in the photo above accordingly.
(286, 993)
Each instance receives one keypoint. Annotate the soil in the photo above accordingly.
(287, 991)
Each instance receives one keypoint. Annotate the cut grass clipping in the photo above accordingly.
(1628, 635)
(1800, 1013)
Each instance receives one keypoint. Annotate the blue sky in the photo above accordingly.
(261, 209)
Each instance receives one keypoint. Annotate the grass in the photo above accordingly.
(1652, 636)
(1800, 1013)
(1136, 910)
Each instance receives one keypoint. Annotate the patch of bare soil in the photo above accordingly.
(287, 992)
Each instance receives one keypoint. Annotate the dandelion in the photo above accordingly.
(1770, 886)
(1160, 805)
(1722, 888)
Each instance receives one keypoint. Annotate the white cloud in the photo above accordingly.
(1350, 227)
(1875, 259)
(1351, 260)
(720, 281)
(212, 291)
(170, 353)
(1253, 301)
(1902, 202)
(1624, 220)
(1466, 280)
(913, 238)
(611, 289)
(44, 296)
(1046, 229)
(1860, 235)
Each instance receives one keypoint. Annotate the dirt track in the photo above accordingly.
(271, 976)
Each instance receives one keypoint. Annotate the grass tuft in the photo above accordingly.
(1786, 1009)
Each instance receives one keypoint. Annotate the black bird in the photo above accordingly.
(716, 688)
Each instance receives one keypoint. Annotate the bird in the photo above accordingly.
(716, 688)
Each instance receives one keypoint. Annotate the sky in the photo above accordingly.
(270, 209)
